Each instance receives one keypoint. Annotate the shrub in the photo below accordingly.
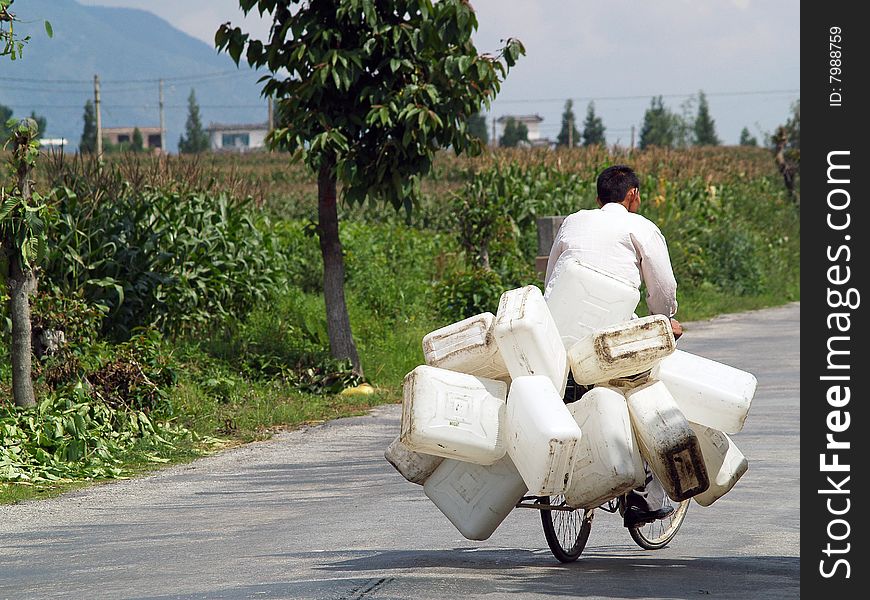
(467, 293)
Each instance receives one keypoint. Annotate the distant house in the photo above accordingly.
(532, 123)
(237, 138)
(124, 135)
(53, 143)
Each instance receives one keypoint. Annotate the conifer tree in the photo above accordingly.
(514, 133)
(88, 141)
(568, 135)
(705, 127)
(195, 139)
(658, 126)
(593, 128)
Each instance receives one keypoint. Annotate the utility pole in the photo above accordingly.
(162, 122)
(570, 132)
(632, 138)
(99, 118)
(494, 138)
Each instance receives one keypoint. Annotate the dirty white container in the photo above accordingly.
(708, 392)
(666, 441)
(542, 436)
(527, 337)
(608, 461)
(413, 466)
(621, 350)
(453, 415)
(467, 346)
(476, 498)
(725, 463)
(583, 298)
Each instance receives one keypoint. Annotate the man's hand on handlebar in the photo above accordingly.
(677, 328)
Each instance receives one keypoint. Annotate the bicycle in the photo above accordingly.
(567, 529)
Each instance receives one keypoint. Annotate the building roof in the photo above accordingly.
(143, 130)
(237, 127)
(521, 118)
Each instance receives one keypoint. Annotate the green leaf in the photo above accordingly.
(48, 29)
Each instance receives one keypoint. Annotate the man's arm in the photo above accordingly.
(555, 252)
(658, 275)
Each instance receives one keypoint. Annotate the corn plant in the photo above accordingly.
(182, 261)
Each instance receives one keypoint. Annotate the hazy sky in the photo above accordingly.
(744, 54)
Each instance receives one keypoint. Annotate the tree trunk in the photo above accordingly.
(22, 284)
(341, 342)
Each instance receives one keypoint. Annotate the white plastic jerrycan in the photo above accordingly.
(621, 350)
(708, 392)
(608, 461)
(467, 346)
(528, 338)
(475, 498)
(666, 441)
(413, 466)
(583, 298)
(453, 415)
(542, 435)
(724, 462)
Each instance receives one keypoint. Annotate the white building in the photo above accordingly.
(53, 143)
(237, 138)
(532, 123)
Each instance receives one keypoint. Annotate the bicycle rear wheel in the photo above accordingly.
(566, 530)
(656, 535)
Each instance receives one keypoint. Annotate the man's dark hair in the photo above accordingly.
(614, 183)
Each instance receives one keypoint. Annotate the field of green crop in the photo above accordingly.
(189, 288)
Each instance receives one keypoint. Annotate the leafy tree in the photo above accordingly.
(568, 135)
(662, 127)
(22, 243)
(477, 127)
(195, 139)
(88, 141)
(6, 122)
(593, 128)
(786, 146)
(370, 90)
(41, 123)
(514, 133)
(22, 237)
(746, 139)
(657, 128)
(704, 127)
(11, 44)
(5, 115)
(138, 142)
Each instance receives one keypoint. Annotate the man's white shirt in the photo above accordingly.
(625, 244)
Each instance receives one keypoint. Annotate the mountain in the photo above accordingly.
(130, 50)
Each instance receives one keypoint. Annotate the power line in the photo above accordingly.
(47, 91)
(643, 97)
(181, 78)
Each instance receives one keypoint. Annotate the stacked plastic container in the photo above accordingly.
(484, 422)
(583, 298)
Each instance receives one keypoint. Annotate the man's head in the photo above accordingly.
(619, 183)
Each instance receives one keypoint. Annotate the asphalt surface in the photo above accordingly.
(319, 514)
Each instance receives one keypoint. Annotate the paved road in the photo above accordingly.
(318, 514)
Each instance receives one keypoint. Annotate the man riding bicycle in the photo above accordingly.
(617, 239)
